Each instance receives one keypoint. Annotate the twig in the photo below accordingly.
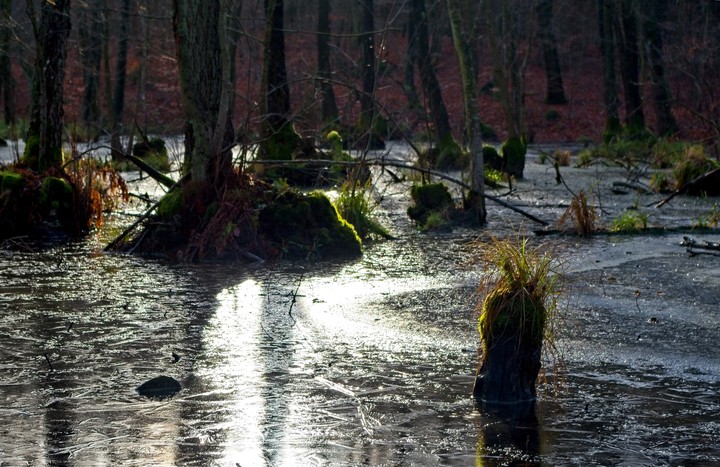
(688, 185)
(294, 296)
(47, 359)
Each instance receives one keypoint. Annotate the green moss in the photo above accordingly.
(514, 150)
(430, 199)
(171, 204)
(11, 181)
(55, 193)
(308, 226)
(282, 144)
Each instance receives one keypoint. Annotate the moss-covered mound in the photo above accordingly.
(54, 203)
(250, 219)
(304, 226)
(432, 205)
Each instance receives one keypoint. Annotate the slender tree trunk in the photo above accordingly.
(141, 104)
(329, 106)
(606, 12)
(7, 82)
(118, 101)
(201, 43)
(630, 67)
(43, 145)
(555, 91)
(409, 65)
(90, 49)
(367, 103)
(472, 111)
(431, 86)
(653, 23)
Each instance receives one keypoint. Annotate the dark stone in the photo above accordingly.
(159, 388)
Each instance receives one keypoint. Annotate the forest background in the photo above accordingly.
(145, 89)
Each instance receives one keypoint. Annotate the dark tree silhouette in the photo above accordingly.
(555, 91)
(43, 144)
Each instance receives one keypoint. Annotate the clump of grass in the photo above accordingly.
(581, 215)
(354, 206)
(693, 164)
(520, 293)
(562, 157)
(630, 221)
(659, 182)
(712, 220)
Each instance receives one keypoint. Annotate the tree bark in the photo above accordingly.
(472, 111)
(555, 91)
(367, 101)
(7, 81)
(90, 49)
(279, 137)
(329, 105)
(431, 86)
(653, 24)
(201, 41)
(630, 67)
(606, 12)
(117, 109)
(43, 144)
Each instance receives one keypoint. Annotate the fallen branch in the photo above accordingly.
(687, 186)
(402, 165)
(146, 214)
(713, 249)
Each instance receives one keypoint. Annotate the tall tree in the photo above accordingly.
(630, 66)
(43, 144)
(654, 12)
(203, 62)
(430, 83)
(91, 28)
(117, 109)
(367, 98)
(606, 13)
(7, 82)
(472, 110)
(555, 91)
(279, 137)
(329, 105)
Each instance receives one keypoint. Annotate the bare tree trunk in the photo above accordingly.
(653, 24)
(367, 103)
(117, 109)
(329, 106)
(7, 82)
(472, 112)
(606, 12)
(43, 144)
(201, 42)
(555, 91)
(431, 86)
(90, 49)
(409, 65)
(630, 67)
(279, 138)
